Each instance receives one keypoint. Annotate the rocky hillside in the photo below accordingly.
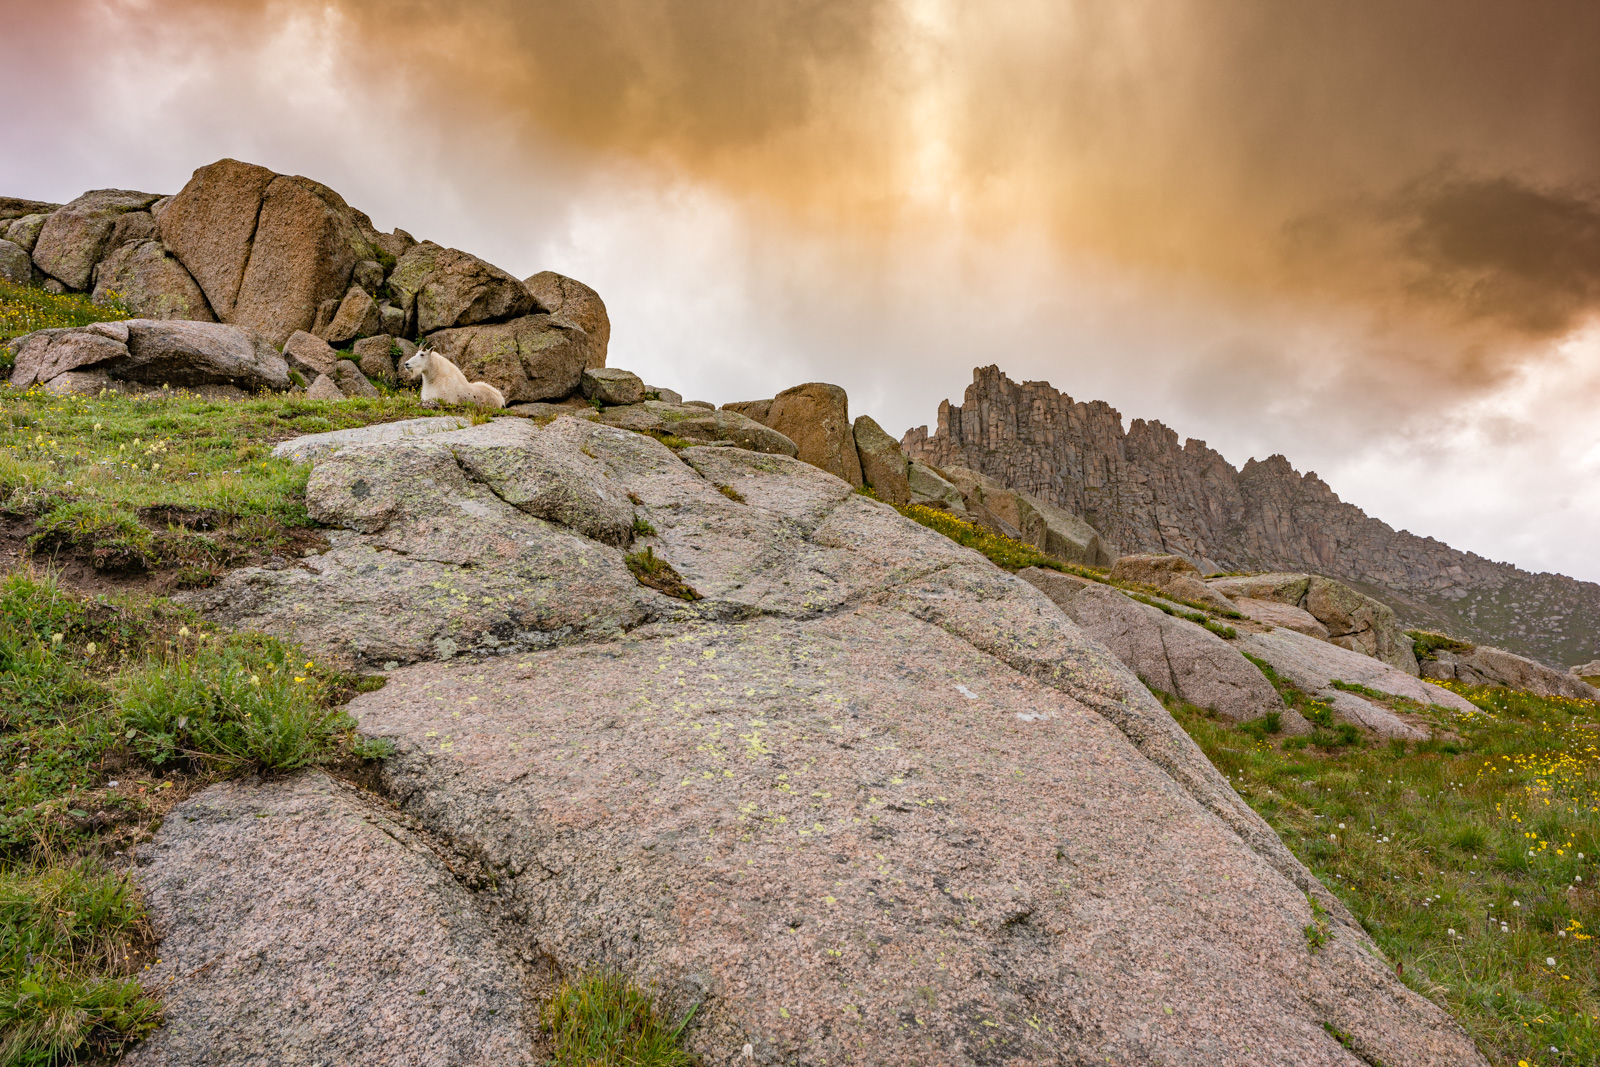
(286, 260)
(719, 700)
(1145, 491)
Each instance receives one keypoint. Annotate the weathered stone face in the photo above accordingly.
(153, 352)
(151, 282)
(24, 232)
(699, 424)
(816, 417)
(1172, 575)
(1349, 618)
(531, 358)
(386, 919)
(610, 385)
(200, 353)
(266, 249)
(357, 317)
(932, 489)
(45, 354)
(577, 303)
(209, 226)
(375, 356)
(306, 243)
(309, 354)
(16, 266)
(1173, 655)
(883, 465)
(448, 288)
(1494, 666)
(74, 238)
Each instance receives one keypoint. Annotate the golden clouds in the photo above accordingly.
(1433, 159)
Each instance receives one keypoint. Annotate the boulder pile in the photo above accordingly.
(287, 262)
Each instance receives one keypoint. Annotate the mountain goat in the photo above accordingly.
(444, 382)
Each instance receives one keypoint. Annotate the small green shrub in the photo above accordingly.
(603, 1020)
(240, 699)
(1269, 724)
(653, 571)
(1427, 644)
(642, 527)
(1317, 929)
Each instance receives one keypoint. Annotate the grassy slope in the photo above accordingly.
(1471, 861)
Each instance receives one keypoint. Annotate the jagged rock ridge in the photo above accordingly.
(1146, 492)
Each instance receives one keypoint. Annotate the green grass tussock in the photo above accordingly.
(1427, 644)
(1470, 858)
(236, 699)
(656, 573)
(95, 689)
(604, 1020)
(65, 962)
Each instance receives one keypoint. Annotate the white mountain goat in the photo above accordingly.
(444, 382)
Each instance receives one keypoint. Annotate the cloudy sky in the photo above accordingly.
(1365, 235)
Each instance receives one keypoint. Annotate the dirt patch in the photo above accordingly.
(79, 569)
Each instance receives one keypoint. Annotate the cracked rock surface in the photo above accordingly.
(300, 923)
(870, 800)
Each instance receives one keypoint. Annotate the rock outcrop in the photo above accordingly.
(284, 256)
(612, 386)
(1146, 492)
(571, 300)
(445, 287)
(694, 423)
(1050, 529)
(1173, 576)
(1174, 655)
(816, 417)
(1352, 619)
(148, 280)
(532, 358)
(16, 266)
(1483, 665)
(932, 489)
(152, 353)
(74, 238)
(1314, 665)
(883, 465)
(869, 797)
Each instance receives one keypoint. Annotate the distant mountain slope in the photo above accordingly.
(1147, 493)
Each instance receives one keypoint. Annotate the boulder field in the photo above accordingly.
(284, 263)
(855, 794)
